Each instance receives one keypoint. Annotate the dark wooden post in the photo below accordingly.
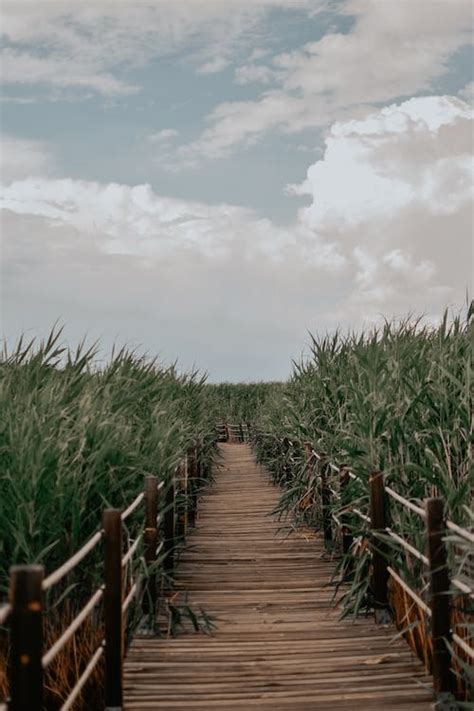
(378, 517)
(179, 505)
(168, 527)
(151, 544)
(26, 638)
(194, 482)
(242, 439)
(347, 537)
(113, 599)
(439, 593)
(286, 453)
(308, 457)
(326, 502)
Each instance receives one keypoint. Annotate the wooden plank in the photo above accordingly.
(279, 642)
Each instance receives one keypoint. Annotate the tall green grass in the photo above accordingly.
(237, 403)
(75, 439)
(397, 399)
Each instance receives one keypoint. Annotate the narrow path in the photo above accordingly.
(279, 643)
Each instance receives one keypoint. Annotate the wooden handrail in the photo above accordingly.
(72, 562)
(436, 561)
(24, 613)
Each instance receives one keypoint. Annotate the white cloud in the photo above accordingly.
(258, 73)
(394, 49)
(417, 152)
(218, 64)
(20, 67)
(467, 92)
(164, 136)
(388, 231)
(21, 158)
(90, 44)
(394, 192)
(134, 220)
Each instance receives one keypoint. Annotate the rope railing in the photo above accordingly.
(379, 532)
(72, 562)
(407, 504)
(133, 506)
(5, 611)
(83, 679)
(73, 627)
(120, 589)
(227, 432)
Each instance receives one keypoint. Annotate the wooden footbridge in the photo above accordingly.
(278, 640)
(279, 643)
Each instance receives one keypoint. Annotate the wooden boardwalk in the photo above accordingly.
(279, 643)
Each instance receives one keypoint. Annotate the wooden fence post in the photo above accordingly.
(151, 543)
(191, 484)
(168, 526)
(378, 517)
(26, 647)
(347, 537)
(242, 439)
(443, 678)
(286, 453)
(113, 600)
(180, 484)
(326, 503)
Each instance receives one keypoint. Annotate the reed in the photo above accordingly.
(76, 438)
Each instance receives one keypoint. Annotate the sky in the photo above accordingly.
(210, 181)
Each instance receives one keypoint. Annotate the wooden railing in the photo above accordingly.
(233, 432)
(157, 538)
(443, 584)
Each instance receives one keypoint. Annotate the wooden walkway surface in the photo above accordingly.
(279, 642)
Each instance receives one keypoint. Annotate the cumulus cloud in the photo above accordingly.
(393, 49)
(134, 220)
(387, 231)
(394, 192)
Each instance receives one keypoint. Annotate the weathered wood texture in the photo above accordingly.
(279, 643)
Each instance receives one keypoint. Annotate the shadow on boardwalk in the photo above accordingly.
(279, 642)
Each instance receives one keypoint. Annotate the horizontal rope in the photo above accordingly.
(467, 535)
(131, 550)
(133, 506)
(5, 611)
(462, 587)
(82, 679)
(464, 646)
(408, 504)
(73, 627)
(129, 598)
(74, 560)
(362, 516)
(407, 546)
(409, 591)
